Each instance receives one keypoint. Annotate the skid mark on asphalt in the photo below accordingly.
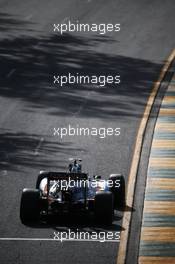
(11, 73)
(36, 152)
(28, 17)
(82, 105)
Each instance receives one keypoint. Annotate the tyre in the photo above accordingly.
(104, 209)
(118, 190)
(30, 206)
(41, 176)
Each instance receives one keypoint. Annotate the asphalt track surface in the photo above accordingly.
(31, 106)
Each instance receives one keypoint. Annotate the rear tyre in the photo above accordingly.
(104, 209)
(30, 206)
(41, 176)
(118, 190)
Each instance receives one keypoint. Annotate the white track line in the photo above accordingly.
(56, 240)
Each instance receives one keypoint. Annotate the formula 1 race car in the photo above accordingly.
(73, 191)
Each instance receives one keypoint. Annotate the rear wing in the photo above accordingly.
(62, 176)
(66, 176)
